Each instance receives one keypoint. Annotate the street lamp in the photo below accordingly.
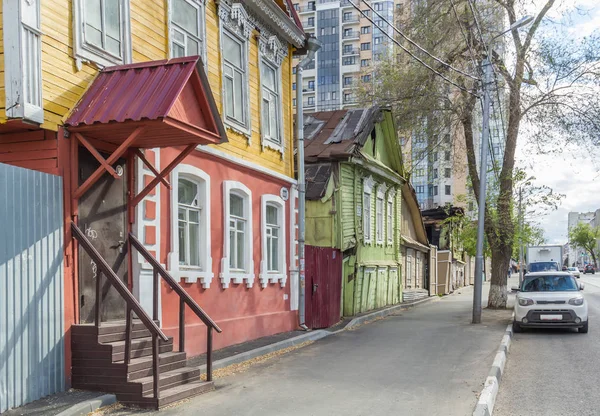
(487, 81)
(312, 46)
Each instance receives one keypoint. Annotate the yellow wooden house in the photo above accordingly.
(211, 196)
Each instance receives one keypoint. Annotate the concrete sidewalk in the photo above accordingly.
(426, 360)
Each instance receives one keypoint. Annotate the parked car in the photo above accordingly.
(581, 268)
(574, 271)
(589, 269)
(550, 300)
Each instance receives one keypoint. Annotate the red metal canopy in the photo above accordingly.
(171, 99)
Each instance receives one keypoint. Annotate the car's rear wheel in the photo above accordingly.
(517, 327)
(584, 328)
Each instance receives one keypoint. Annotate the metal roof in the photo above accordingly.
(175, 91)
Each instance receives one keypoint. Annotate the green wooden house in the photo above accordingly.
(354, 202)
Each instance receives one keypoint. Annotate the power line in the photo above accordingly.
(411, 54)
(412, 42)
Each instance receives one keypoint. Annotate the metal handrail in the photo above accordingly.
(116, 282)
(184, 298)
(173, 284)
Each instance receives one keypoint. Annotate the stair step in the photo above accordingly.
(138, 367)
(175, 361)
(169, 396)
(106, 328)
(170, 378)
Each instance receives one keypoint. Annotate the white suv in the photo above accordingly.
(550, 300)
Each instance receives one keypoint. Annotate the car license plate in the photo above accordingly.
(551, 317)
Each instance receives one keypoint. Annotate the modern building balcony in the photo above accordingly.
(307, 9)
(349, 85)
(351, 34)
(308, 104)
(346, 3)
(350, 52)
(350, 20)
(308, 90)
(308, 24)
(351, 68)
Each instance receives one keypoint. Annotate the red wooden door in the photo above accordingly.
(323, 286)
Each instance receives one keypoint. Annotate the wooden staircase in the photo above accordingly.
(98, 364)
(133, 358)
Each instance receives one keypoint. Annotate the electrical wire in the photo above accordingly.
(412, 42)
(448, 80)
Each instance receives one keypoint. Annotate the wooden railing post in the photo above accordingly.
(155, 295)
(155, 366)
(181, 325)
(97, 306)
(128, 330)
(209, 353)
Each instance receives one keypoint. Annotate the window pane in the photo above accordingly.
(236, 205)
(268, 76)
(238, 97)
(194, 249)
(93, 22)
(232, 51)
(186, 16)
(229, 105)
(112, 18)
(182, 243)
(178, 51)
(232, 244)
(192, 47)
(274, 122)
(182, 215)
(194, 216)
(265, 117)
(272, 215)
(188, 192)
(274, 263)
(240, 250)
(113, 46)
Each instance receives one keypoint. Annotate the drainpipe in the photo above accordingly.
(312, 46)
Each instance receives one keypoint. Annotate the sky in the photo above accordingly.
(576, 171)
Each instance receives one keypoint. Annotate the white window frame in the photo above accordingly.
(267, 141)
(235, 23)
(247, 274)
(391, 199)
(280, 275)
(199, 5)
(379, 213)
(367, 196)
(85, 52)
(191, 274)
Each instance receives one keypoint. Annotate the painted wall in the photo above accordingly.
(2, 91)
(243, 313)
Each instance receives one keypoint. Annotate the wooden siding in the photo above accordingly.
(35, 150)
(2, 91)
(238, 144)
(63, 84)
(348, 205)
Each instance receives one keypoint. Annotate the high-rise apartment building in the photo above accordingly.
(351, 45)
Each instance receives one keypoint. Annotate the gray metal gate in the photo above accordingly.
(31, 286)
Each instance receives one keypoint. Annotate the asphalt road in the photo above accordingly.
(427, 361)
(556, 372)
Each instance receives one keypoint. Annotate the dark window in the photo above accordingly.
(378, 7)
(365, 62)
(447, 172)
(447, 155)
(347, 80)
(365, 29)
(311, 21)
(435, 174)
(365, 46)
(435, 190)
(448, 190)
(435, 156)
(294, 86)
(366, 78)
(311, 85)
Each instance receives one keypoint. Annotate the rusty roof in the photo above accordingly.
(151, 91)
(334, 135)
(317, 177)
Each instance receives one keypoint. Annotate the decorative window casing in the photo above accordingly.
(234, 33)
(22, 77)
(190, 257)
(391, 198)
(237, 264)
(187, 28)
(273, 267)
(102, 32)
(379, 213)
(272, 53)
(367, 192)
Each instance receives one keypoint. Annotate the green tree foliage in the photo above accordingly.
(585, 236)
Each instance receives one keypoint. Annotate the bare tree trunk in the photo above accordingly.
(500, 262)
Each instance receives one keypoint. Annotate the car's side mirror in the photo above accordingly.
(515, 289)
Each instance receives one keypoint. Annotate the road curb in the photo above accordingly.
(258, 352)
(88, 406)
(487, 397)
(358, 321)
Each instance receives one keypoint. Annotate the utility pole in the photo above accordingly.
(487, 81)
(521, 236)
